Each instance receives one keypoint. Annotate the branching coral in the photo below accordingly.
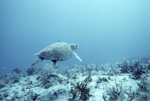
(144, 89)
(116, 93)
(80, 90)
(135, 68)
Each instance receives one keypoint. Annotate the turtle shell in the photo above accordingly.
(59, 51)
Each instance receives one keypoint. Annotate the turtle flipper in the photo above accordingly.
(37, 61)
(76, 55)
(53, 62)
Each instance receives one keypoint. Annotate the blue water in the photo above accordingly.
(105, 30)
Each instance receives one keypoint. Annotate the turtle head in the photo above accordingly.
(74, 46)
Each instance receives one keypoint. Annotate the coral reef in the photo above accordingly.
(128, 80)
(136, 68)
(2, 84)
(80, 91)
(16, 71)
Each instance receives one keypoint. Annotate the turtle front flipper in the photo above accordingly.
(53, 62)
(76, 55)
(37, 61)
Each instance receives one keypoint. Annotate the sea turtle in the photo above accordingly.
(59, 51)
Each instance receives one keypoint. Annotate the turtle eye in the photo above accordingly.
(76, 46)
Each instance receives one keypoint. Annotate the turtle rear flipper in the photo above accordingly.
(37, 61)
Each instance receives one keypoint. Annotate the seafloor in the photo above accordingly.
(128, 80)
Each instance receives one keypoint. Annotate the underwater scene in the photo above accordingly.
(74, 50)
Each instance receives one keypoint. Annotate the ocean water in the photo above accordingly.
(105, 30)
